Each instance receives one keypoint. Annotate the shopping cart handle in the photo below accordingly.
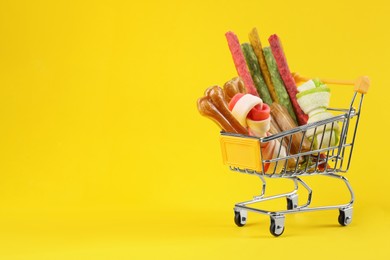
(361, 84)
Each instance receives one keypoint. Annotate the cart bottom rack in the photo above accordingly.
(325, 157)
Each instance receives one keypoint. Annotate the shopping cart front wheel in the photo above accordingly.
(240, 217)
(345, 216)
(277, 225)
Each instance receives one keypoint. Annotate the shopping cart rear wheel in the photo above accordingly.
(240, 218)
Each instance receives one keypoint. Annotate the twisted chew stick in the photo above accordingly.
(239, 62)
(258, 49)
(254, 68)
(274, 128)
(232, 87)
(216, 94)
(288, 80)
(279, 88)
(285, 122)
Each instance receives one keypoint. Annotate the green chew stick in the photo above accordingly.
(254, 69)
(280, 89)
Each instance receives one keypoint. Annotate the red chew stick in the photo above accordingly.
(281, 61)
(240, 63)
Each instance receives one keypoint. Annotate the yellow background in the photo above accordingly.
(103, 154)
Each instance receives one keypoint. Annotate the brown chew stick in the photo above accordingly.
(285, 122)
(274, 128)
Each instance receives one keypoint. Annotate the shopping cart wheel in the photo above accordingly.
(277, 225)
(240, 218)
(292, 201)
(345, 216)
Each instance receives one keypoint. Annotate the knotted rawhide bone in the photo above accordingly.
(207, 109)
(232, 87)
(242, 104)
(252, 113)
(216, 96)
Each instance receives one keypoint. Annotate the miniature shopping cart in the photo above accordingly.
(243, 154)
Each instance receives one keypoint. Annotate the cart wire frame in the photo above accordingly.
(322, 158)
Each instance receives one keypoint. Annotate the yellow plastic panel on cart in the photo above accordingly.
(241, 152)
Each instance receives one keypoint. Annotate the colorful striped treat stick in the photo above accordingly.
(240, 63)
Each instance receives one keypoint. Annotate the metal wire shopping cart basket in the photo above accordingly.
(243, 154)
